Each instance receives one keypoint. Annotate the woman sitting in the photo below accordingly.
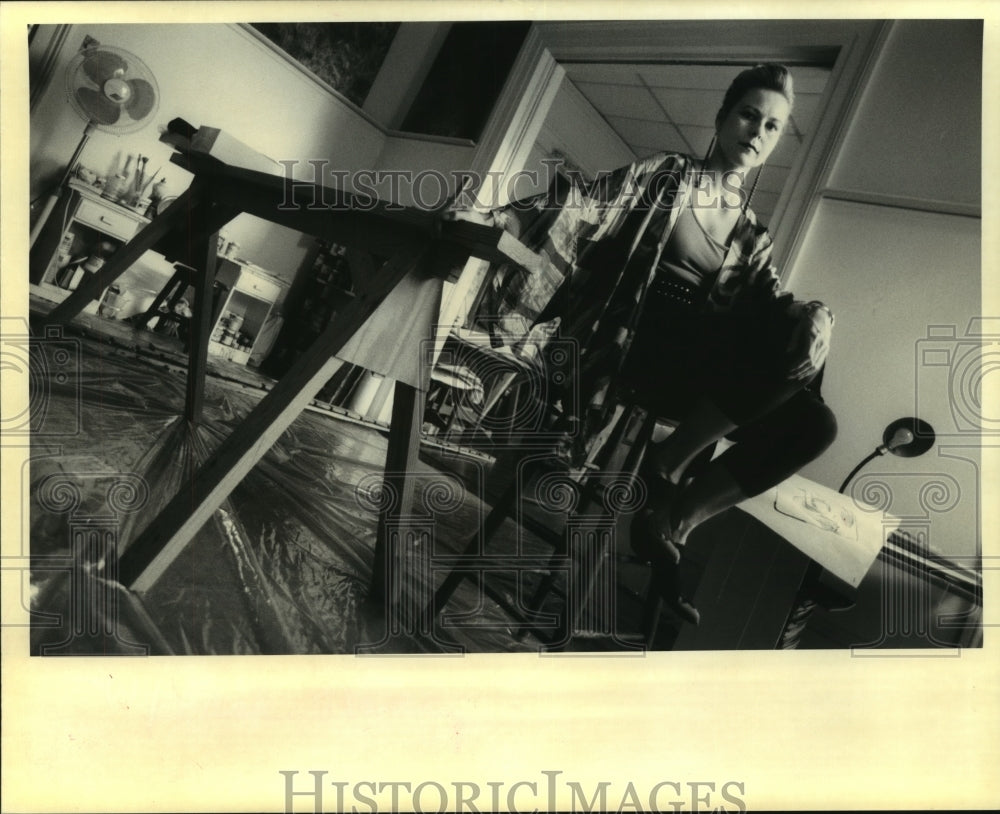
(673, 298)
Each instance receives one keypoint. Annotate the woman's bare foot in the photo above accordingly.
(650, 539)
(655, 540)
(659, 550)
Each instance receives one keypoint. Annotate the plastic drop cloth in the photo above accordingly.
(282, 567)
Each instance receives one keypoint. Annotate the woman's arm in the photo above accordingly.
(809, 343)
(811, 322)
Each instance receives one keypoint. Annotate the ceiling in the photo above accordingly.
(654, 107)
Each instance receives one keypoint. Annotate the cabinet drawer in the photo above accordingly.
(258, 287)
(106, 220)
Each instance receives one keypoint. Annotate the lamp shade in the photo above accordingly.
(908, 437)
(905, 437)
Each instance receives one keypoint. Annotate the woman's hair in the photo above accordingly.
(769, 77)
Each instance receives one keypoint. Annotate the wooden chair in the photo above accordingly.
(586, 551)
(171, 294)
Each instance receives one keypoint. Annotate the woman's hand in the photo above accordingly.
(470, 215)
(501, 219)
(810, 340)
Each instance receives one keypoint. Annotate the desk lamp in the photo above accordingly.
(905, 437)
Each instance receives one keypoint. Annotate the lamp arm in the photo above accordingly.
(879, 450)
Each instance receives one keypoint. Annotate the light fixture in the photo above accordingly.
(905, 437)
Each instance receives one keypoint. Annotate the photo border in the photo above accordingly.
(800, 730)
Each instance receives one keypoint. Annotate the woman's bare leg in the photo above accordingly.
(705, 425)
(664, 468)
(712, 492)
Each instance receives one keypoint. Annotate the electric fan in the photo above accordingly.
(112, 89)
(114, 92)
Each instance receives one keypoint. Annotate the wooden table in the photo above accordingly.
(846, 555)
(761, 572)
(84, 217)
(423, 252)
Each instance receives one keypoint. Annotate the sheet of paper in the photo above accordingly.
(821, 511)
(840, 534)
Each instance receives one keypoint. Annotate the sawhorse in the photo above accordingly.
(420, 248)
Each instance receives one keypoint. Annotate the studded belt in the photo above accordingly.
(675, 292)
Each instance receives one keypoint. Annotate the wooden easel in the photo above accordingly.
(419, 244)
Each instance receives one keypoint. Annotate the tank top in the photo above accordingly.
(691, 254)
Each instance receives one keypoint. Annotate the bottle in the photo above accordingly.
(109, 305)
(64, 277)
(64, 254)
(156, 194)
(117, 185)
(126, 172)
(114, 187)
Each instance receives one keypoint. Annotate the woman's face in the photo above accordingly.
(751, 129)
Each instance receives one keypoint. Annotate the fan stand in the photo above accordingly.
(57, 188)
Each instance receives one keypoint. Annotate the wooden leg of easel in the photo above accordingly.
(165, 537)
(400, 460)
(498, 514)
(201, 328)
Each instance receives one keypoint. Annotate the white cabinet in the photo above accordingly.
(82, 225)
(248, 302)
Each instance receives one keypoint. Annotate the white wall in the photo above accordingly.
(433, 164)
(918, 129)
(893, 273)
(575, 130)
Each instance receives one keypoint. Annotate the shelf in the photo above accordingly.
(240, 357)
(323, 290)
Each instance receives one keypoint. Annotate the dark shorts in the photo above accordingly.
(680, 356)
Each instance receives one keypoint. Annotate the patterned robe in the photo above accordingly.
(600, 268)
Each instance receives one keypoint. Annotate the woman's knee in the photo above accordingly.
(818, 427)
(801, 422)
